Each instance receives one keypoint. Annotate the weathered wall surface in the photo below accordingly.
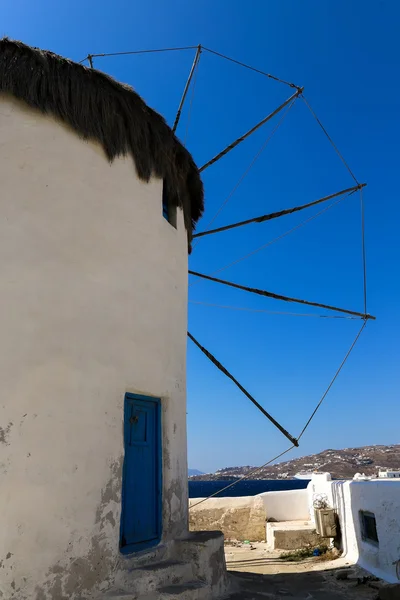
(92, 305)
(286, 505)
(382, 498)
(240, 518)
(244, 518)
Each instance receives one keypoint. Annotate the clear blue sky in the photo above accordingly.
(346, 55)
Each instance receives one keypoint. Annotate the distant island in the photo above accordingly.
(194, 472)
(342, 464)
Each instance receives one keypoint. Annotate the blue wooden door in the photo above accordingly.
(141, 482)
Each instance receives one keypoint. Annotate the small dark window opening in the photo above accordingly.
(168, 207)
(368, 527)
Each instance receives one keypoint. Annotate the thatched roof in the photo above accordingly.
(99, 108)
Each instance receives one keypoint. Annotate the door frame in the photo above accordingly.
(132, 548)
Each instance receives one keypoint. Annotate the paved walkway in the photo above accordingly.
(261, 575)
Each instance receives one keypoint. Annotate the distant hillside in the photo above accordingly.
(193, 472)
(342, 464)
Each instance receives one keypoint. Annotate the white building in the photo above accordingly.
(389, 474)
(361, 516)
(98, 200)
(369, 521)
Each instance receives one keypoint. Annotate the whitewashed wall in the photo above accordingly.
(286, 505)
(320, 486)
(93, 297)
(379, 497)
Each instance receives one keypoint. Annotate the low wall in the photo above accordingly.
(243, 518)
(382, 499)
(240, 518)
(288, 505)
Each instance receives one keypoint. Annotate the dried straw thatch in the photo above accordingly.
(99, 108)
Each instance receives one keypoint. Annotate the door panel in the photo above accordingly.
(141, 486)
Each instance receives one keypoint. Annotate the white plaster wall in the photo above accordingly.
(320, 487)
(383, 499)
(93, 298)
(286, 505)
(379, 497)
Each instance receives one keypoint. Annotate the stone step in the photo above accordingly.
(205, 551)
(146, 557)
(291, 535)
(117, 595)
(145, 579)
(193, 590)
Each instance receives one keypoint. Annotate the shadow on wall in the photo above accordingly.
(339, 504)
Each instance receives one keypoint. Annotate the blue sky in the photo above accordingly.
(346, 55)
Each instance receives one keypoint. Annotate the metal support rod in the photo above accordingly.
(185, 91)
(90, 59)
(252, 130)
(280, 297)
(281, 213)
(242, 389)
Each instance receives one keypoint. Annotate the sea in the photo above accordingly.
(247, 487)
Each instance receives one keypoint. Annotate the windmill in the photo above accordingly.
(278, 114)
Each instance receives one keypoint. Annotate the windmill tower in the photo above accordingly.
(98, 200)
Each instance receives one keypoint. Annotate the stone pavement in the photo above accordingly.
(260, 575)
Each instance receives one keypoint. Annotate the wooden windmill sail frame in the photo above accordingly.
(364, 316)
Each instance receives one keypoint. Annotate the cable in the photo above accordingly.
(251, 165)
(279, 296)
(237, 62)
(252, 472)
(330, 139)
(292, 85)
(364, 259)
(280, 237)
(333, 380)
(274, 312)
(281, 213)
(144, 51)
(242, 389)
